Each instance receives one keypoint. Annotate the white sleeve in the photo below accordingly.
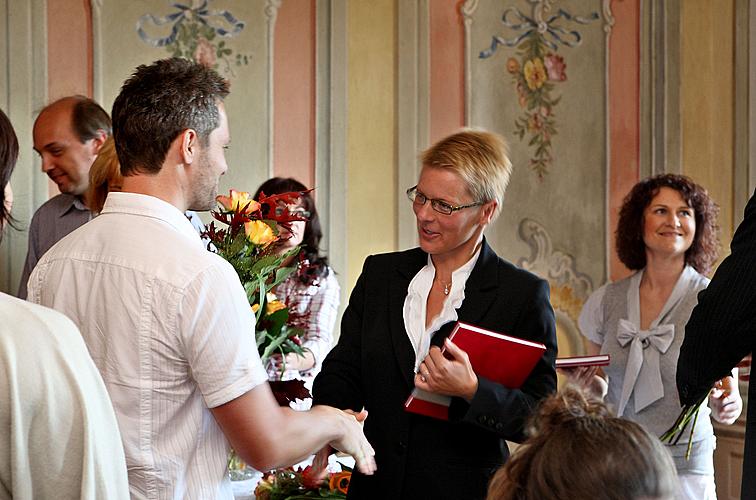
(218, 333)
(591, 320)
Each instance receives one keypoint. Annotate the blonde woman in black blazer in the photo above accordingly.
(401, 310)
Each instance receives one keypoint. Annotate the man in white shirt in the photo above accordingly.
(168, 323)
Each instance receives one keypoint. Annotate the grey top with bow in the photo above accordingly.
(644, 362)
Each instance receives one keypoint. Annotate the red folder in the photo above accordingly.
(575, 361)
(495, 356)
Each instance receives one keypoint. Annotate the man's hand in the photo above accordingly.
(451, 377)
(351, 442)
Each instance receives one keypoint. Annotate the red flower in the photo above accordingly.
(310, 480)
(555, 67)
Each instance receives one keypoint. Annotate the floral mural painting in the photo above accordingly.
(536, 69)
(196, 32)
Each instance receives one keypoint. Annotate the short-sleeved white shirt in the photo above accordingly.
(170, 329)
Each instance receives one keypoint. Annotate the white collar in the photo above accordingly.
(149, 206)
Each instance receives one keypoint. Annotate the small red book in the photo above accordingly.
(501, 358)
(575, 361)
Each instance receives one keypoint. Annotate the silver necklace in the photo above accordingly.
(447, 286)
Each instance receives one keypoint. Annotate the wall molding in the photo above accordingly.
(413, 107)
(23, 91)
(660, 128)
(331, 136)
(271, 14)
(96, 8)
(25, 85)
(467, 9)
(606, 12)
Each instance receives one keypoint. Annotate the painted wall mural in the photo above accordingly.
(542, 83)
(569, 287)
(196, 32)
(232, 36)
(536, 69)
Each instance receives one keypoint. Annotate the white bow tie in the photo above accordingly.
(643, 372)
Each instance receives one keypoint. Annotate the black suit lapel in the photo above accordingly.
(481, 288)
(408, 267)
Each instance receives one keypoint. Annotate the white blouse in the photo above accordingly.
(415, 305)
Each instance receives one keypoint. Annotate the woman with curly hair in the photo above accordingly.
(626, 461)
(667, 233)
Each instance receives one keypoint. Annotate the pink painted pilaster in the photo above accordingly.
(624, 115)
(447, 68)
(294, 92)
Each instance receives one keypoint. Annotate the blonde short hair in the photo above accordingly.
(479, 157)
(104, 173)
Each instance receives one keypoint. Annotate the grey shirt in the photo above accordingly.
(600, 323)
(57, 217)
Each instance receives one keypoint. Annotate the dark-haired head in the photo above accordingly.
(631, 248)
(576, 449)
(8, 157)
(159, 102)
(313, 233)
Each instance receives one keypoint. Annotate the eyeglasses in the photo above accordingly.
(299, 212)
(439, 206)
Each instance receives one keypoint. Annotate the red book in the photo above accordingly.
(575, 361)
(494, 356)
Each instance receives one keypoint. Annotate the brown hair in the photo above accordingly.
(158, 103)
(479, 157)
(313, 232)
(103, 175)
(631, 249)
(88, 119)
(8, 157)
(576, 449)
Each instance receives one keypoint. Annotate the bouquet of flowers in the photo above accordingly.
(252, 226)
(291, 484)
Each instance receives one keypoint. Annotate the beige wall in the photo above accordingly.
(707, 101)
(371, 136)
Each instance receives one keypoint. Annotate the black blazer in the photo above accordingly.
(372, 367)
(722, 330)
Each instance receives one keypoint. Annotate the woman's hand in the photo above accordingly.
(319, 469)
(293, 361)
(588, 378)
(725, 401)
(452, 377)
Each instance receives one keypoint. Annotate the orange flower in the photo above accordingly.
(535, 73)
(272, 304)
(238, 201)
(259, 233)
(513, 65)
(340, 481)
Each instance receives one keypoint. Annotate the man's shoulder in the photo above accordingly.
(57, 206)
